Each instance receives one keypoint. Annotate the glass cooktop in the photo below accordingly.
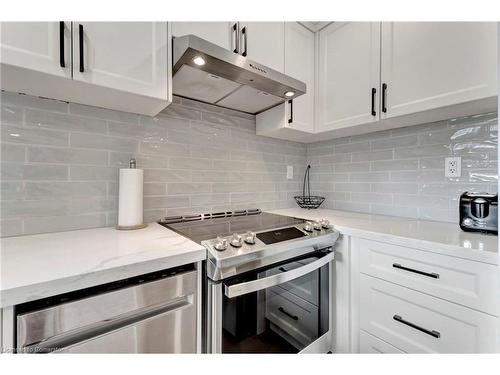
(208, 228)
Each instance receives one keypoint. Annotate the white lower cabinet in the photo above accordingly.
(369, 344)
(418, 323)
(301, 318)
(471, 284)
(417, 301)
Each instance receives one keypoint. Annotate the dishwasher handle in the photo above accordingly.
(56, 343)
(267, 282)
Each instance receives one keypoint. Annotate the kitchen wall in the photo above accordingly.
(60, 161)
(401, 172)
(59, 165)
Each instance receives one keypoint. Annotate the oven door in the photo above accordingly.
(282, 308)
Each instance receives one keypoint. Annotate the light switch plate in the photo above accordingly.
(453, 167)
(289, 172)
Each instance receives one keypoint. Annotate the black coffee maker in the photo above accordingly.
(479, 212)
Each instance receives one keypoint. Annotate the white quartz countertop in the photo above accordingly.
(444, 238)
(42, 265)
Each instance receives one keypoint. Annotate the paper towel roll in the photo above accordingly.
(130, 199)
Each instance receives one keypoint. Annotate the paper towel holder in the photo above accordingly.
(132, 165)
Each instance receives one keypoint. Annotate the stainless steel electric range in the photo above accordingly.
(268, 280)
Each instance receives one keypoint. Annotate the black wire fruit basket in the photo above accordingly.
(306, 200)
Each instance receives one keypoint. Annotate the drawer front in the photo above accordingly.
(369, 344)
(171, 332)
(469, 283)
(292, 314)
(305, 287)
(418, 323)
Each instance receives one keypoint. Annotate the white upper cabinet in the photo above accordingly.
(349, 74)
(264, 42)
(220, 33)
(125, 56)
(299, 64)
(427, 65)
(293, 120)
(124, 66)
(39, 46)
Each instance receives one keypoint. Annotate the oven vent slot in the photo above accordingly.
(214, 215)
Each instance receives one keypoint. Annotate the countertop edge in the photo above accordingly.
(476, 255)
(14, 296)
(424, 245)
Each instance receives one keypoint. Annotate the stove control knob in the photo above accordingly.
(308, 227)
(468, 222)
(250, 238)
(317, 225)
(325, 223)
(236, 240)
(220, 244)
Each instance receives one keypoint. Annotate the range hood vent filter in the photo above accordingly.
(226, 78)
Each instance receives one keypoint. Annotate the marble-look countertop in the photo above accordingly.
(43, 265)
(444, 238)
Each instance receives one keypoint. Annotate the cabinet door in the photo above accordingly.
(419, 323)
(299, 64)
(369, 344)
(428, 65)
(38, 46)
(264, 42)
(349, 70)
(220, 33)
(125, 56)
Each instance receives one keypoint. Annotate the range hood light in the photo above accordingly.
(198, 60)
(289, 94)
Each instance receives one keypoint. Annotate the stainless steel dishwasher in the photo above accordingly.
(153, 313)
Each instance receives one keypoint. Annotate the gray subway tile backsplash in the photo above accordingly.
(404, 170)
(60, 164)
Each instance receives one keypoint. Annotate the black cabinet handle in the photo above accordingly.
(80, 36)
(428, 274)
(61, 45)
(374, 91)
(432, 333)
(290, 120)
(236, 38)
(294, 317)
(245, 38)
(282, 269)
(384, 97)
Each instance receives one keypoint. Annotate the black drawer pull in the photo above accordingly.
(245, 38)
(432, 333)
(80, 45)
(294, 317)
(282, 269)
(374, 91)
(384, 97)
(236, 38)
(428, 274)
(62, 63)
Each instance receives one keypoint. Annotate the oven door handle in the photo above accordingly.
(267, 282)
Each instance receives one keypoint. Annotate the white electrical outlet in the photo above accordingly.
(453, 167)
(289, 172)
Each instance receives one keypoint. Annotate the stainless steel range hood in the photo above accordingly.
(228, 79)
